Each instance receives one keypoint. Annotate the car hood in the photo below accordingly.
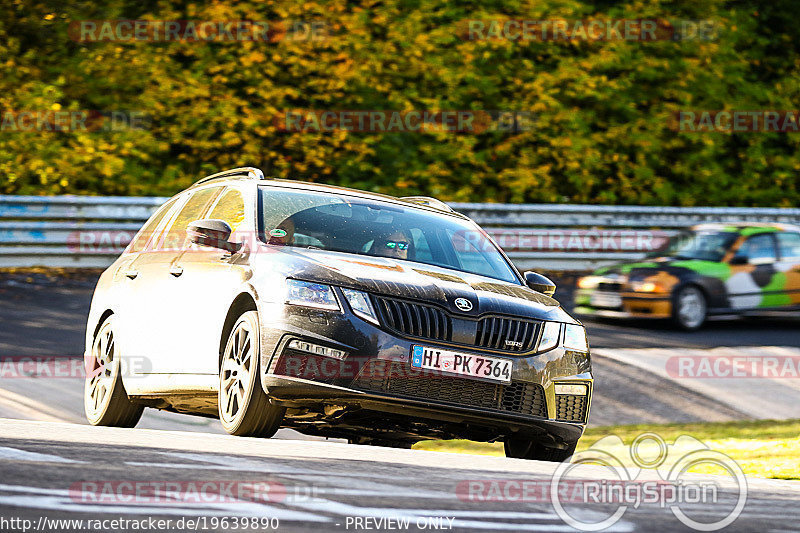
(418, 281)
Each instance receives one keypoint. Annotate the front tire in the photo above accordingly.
(521, 448)
(689, 309)
(105, 401)
(244, 408)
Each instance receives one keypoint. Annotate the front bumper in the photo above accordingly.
(623, 304)
(376, 377)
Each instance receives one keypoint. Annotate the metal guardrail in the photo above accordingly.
(44, 231)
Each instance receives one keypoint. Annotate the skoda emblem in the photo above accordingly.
(463, 304)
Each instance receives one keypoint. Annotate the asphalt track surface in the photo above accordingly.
(58, 471)
(329, 486)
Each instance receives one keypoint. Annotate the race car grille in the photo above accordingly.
(610, 286)
(428, 322)
(415, 319)
(507, 334)
(570, 408)
(402, 380)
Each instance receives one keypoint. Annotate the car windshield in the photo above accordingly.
(706, 246)
(342, 223)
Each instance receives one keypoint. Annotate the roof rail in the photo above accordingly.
(250, 172)
(430, 202)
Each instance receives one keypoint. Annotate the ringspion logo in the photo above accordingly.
(676, 488)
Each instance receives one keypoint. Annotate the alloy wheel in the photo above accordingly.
(236, 372)
(101, 372)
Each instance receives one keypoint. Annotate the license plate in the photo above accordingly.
(462, 364)
(606, 299)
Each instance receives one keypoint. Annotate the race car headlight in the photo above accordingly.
(588, 282)
(550, 335)
(360, 304)
(575, 338)
(646, 286)
(311, 295)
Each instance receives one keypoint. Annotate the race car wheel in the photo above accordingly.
(521, 448)
(105, 401)
(689, 308)
(244, 408)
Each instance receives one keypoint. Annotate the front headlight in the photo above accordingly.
(311, 295)
(550, 336)
(646, 286)
(360, 304)
(575, 338)
(589, 282)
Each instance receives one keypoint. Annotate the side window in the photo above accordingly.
(789, 244)
(230, 208)
(141, 238)
(192, 210)
(759, 249)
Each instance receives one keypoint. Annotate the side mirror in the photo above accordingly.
(540, 283)
(212, 232)
(739, 260)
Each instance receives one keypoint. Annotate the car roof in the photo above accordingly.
(425, 203)
(739, 227)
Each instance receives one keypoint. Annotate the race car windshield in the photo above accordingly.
(705, 246)
(341, 223)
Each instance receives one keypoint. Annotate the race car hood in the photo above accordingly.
(671, 265)
(427, 283)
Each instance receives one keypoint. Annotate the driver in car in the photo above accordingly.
(396, 245)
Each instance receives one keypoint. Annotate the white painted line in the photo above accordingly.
(14, 454)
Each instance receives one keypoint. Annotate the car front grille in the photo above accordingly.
(403, 380)
(609, 286)
(414, 319)
(570, 408)
(428, 322)
(507, 334)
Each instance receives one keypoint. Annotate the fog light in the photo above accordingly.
(316, 349)
(571, 388)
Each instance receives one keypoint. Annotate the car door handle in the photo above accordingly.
(131, 273)
(176, 271)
